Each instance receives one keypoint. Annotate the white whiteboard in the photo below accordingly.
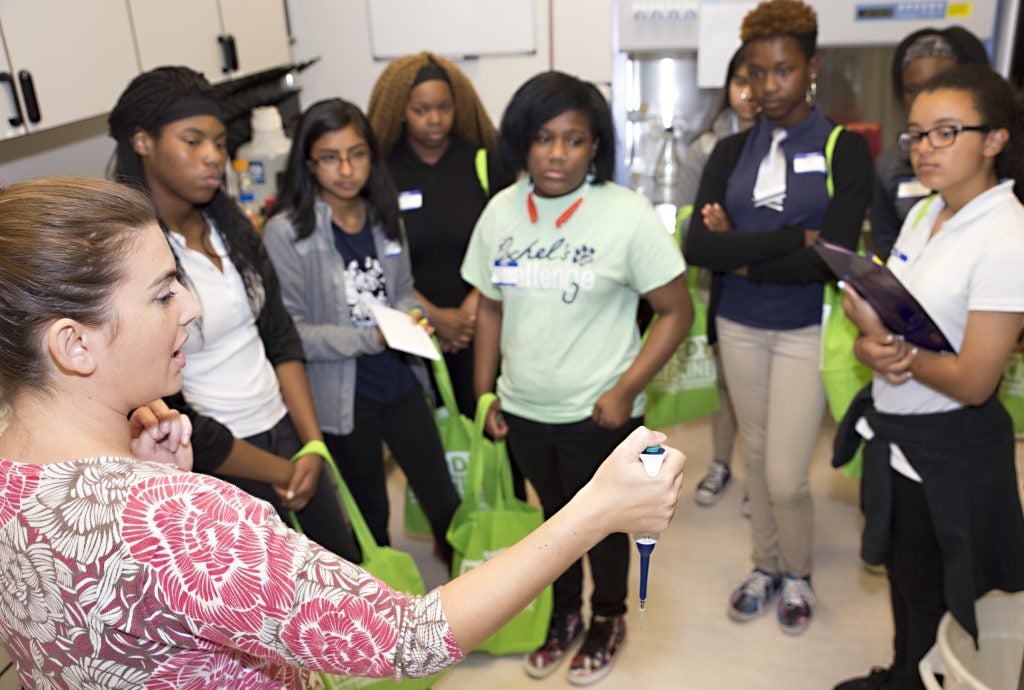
(454, 28)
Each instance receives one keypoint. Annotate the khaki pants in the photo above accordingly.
(775, 386)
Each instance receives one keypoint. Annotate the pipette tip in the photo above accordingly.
(643, 606)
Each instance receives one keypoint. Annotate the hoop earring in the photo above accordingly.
(812, 90)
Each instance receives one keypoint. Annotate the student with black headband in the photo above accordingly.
(245, 388)
(441, 150)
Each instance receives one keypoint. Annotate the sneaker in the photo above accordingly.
(752, 597)
(878, 679)
(712, 486)
(595, 658)
(796, 605)
(745, 506)
(565, 630)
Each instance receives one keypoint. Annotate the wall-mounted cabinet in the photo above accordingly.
(66, 61)
(62, 61)
(223, 39)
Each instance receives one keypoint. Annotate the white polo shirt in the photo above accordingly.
(227, 375)
(974, 263)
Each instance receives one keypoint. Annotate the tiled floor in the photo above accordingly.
(687, 642)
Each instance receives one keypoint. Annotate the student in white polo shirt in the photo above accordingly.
(939, 488)
(245, 387)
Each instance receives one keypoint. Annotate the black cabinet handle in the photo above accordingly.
(229, 52)
(28, 92)
(18, 119)
(234, 52)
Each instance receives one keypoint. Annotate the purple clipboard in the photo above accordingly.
(896, 307)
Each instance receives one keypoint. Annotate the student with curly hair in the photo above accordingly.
(918, 58)
(245, 390)
(440, 148)
(561, 260)
(765, 196)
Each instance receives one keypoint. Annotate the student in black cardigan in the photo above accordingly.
(765, 196)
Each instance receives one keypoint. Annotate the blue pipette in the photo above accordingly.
(652, 458)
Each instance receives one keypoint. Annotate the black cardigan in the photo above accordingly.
(211, 440)
(966, 462)
(777, 256)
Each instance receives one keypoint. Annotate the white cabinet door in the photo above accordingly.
(260, 32)
(71, 59)
(12, 119)
(193, 33)
(180, 33)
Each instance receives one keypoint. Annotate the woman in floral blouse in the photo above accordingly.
(118, 570)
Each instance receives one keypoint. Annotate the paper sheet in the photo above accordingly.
(402, 334)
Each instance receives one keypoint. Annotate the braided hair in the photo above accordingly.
(157, 98)
(391, 92)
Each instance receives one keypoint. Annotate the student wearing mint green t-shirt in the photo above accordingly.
(561, 260)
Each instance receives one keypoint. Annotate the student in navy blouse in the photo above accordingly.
(765, 196)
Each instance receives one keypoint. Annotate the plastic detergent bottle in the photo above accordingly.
(267, 153)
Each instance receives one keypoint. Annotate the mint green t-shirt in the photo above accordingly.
(569, 296)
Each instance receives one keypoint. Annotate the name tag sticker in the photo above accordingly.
(812, 162)
(410, 200)
(911, 188)
(505, 273)
(392, 248)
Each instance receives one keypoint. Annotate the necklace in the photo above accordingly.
(531, 207)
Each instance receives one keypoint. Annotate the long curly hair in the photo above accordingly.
(782, 18)
(391, 92)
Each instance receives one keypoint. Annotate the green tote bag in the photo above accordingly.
(686, 387)
(489, 520)
(396, 568)
(456, 432)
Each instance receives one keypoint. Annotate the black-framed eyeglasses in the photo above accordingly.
(939, 137)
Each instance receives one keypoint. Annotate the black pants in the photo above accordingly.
(915, 580)
(559, 459)
(323, 519)
(407, 426)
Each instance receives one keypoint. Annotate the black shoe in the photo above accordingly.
(879, 679)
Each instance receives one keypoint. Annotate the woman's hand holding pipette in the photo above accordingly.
(624, 497)
(620, 497)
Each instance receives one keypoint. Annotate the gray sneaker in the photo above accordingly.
(712, 486)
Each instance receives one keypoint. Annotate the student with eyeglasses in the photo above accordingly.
(336, 239)
(918, 58)
(939, 486)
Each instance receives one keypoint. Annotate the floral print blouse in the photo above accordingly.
(116, 573)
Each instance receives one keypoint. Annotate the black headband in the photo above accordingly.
(429, 72)
(186, 106)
